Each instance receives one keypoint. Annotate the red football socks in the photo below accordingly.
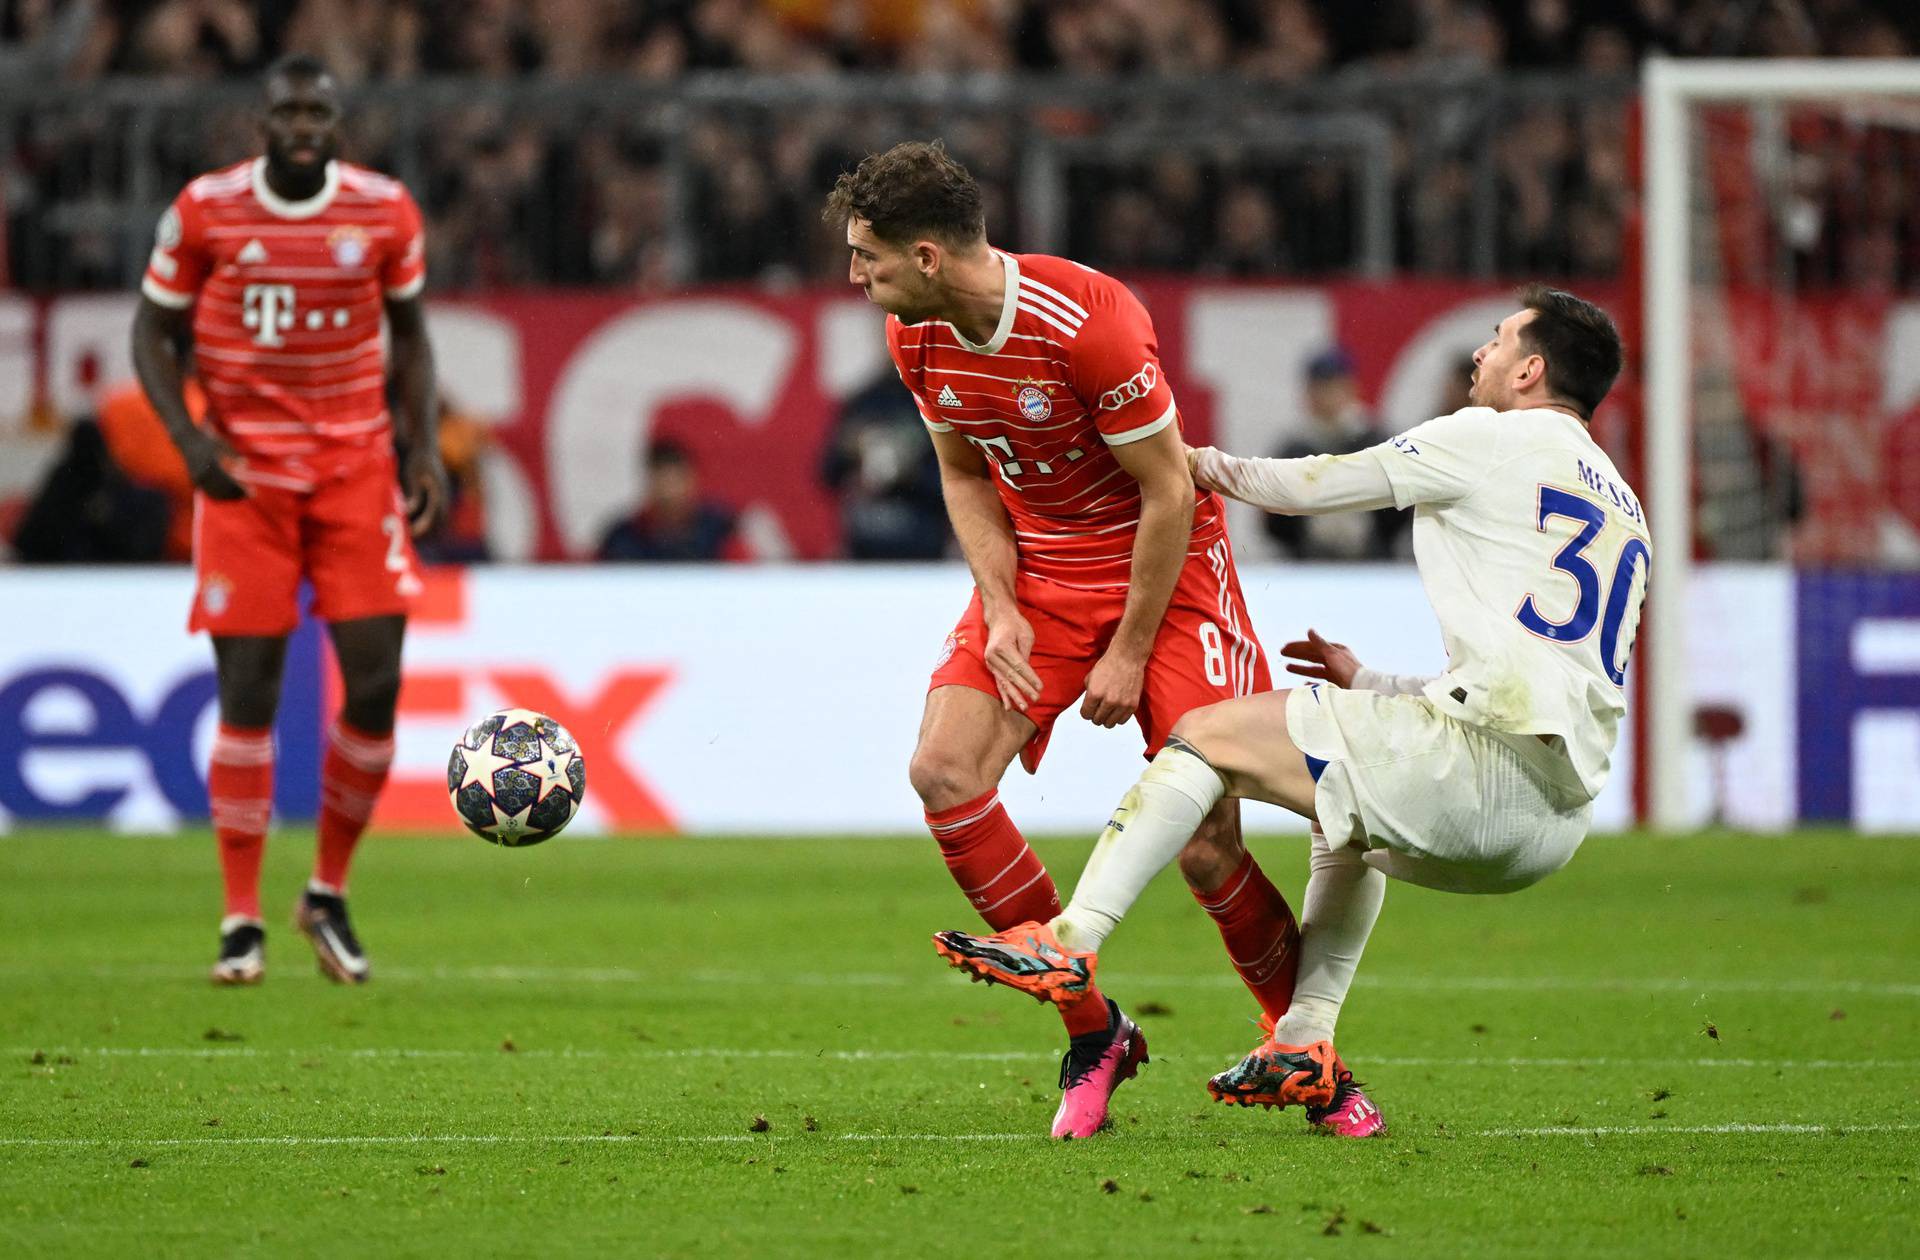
(991, 861)
(351, 776)
(1261, 934)
(240, 789)
(1005, 881)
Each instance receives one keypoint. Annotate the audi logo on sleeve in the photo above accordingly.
(1133, 389)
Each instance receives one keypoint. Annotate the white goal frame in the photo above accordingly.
(1669, 90)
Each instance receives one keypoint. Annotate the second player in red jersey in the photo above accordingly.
(1100, 573)
(276, 275)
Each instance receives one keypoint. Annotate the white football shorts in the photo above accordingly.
(1433, 800)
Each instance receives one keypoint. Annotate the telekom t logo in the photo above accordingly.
(268, 310)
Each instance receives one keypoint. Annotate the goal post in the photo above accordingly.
(1672, 93)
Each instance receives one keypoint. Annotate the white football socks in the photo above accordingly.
(1341, 904)
(1149, 827)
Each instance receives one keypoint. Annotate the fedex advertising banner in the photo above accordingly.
(785, 699)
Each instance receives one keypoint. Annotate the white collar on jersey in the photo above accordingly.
(295, 209)
(1008, 305)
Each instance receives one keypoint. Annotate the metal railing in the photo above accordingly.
(720, 176)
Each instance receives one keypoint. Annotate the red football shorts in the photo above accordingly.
(347, 535)
(1205, 651)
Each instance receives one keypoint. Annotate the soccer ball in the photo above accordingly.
(516, 778)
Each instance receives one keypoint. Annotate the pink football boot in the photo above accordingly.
(1093, 1068)
(1351, 1114)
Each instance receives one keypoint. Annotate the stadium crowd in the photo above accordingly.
(663, 39)
(574, 192)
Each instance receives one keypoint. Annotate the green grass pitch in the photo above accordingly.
(746, 1047)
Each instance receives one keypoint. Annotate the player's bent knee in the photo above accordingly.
(943, 778)
(1206, 725)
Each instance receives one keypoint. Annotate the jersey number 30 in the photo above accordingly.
(1619, 613)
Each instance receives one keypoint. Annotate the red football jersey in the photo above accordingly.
(1072, 369)
(287, 300)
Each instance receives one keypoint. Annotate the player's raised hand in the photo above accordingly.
(1009, 644)
(427, 493)
(207, 456)
(1320, 659)
(1113, 688)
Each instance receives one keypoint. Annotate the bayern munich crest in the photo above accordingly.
(349, 246)
(1034, 404)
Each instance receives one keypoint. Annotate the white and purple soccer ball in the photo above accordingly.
(516, 778)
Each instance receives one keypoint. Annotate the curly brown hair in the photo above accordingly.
(1579, 342)
(912, 191)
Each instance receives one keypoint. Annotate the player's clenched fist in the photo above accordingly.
(1009, 644)
(1113, 688)
(206, 458)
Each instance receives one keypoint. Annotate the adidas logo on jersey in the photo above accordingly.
(947, 397)
(253, 252)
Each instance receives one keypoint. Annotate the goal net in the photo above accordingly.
(1782, 452)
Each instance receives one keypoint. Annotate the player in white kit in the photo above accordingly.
(1535, 554)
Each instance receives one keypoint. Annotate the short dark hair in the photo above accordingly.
(665, 451)
(915, 189)
(298, 65)
(1579, 342)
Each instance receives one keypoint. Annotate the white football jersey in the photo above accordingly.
(1535, 554)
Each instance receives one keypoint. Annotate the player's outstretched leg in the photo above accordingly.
(1297, 1064)
(1027, 957)
(1055, 961)
(1275, 1074)
(1278, 1074)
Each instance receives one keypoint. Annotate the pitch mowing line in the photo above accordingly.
(407, 1139)
(1222, 979)
(965, 1056)
(1639, 1130)
(671, 1139)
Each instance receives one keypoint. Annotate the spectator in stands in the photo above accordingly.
(138, 444)
(531, 199)
(1248, 240)
(673, 521)
(887, 477)
(41, 40)
(89, 512)
(1338, 423)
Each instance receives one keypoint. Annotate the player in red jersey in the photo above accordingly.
(273, 275)
(1099, 570)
